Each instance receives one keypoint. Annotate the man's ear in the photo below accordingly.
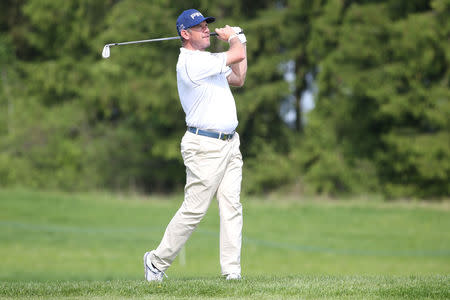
(184, 34)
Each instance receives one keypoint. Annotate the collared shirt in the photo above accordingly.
(204, 92)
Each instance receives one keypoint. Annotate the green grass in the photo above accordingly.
(56, 245)
(306, 287)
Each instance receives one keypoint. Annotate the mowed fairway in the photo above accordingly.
(55, 245)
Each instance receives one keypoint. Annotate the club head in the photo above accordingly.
(106, 52)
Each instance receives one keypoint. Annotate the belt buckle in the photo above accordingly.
(226, 136)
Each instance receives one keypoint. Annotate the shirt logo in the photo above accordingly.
(196, 14)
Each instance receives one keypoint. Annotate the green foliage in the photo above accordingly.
(383, 100)
(73, 120)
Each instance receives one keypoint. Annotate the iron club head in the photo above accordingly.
(106, 52)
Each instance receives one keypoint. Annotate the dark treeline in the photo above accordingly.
(378, 70)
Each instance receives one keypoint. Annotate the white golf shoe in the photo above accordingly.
(152, 273)
(234, 276)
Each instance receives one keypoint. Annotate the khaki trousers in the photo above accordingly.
(213, 167)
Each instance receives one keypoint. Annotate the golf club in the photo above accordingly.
(107, 52)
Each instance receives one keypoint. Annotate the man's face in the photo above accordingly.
(199, 36)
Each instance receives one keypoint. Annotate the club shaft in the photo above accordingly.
(145, 41)
(154, 40)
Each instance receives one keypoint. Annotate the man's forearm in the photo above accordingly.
(236, 53)
(240, 70)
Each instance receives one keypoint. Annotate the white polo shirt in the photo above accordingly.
(204, 91)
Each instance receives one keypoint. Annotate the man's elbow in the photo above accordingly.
(241, 56)
(236, 58)
(236, 54)
(237, 82)
(241, 81)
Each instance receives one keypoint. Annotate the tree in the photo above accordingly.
(383, 86)
(77, 121)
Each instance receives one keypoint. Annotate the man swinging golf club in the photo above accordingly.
(210, 146)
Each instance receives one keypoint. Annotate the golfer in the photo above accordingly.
(210, 146)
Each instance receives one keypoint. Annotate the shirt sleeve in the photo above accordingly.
(206, 64)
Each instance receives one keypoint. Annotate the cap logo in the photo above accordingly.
(196, 14)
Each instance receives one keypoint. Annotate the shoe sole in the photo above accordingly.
(145, 264)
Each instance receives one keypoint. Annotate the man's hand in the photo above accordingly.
(225, 33)
(241, 36)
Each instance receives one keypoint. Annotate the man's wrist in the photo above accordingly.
(232, 37)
